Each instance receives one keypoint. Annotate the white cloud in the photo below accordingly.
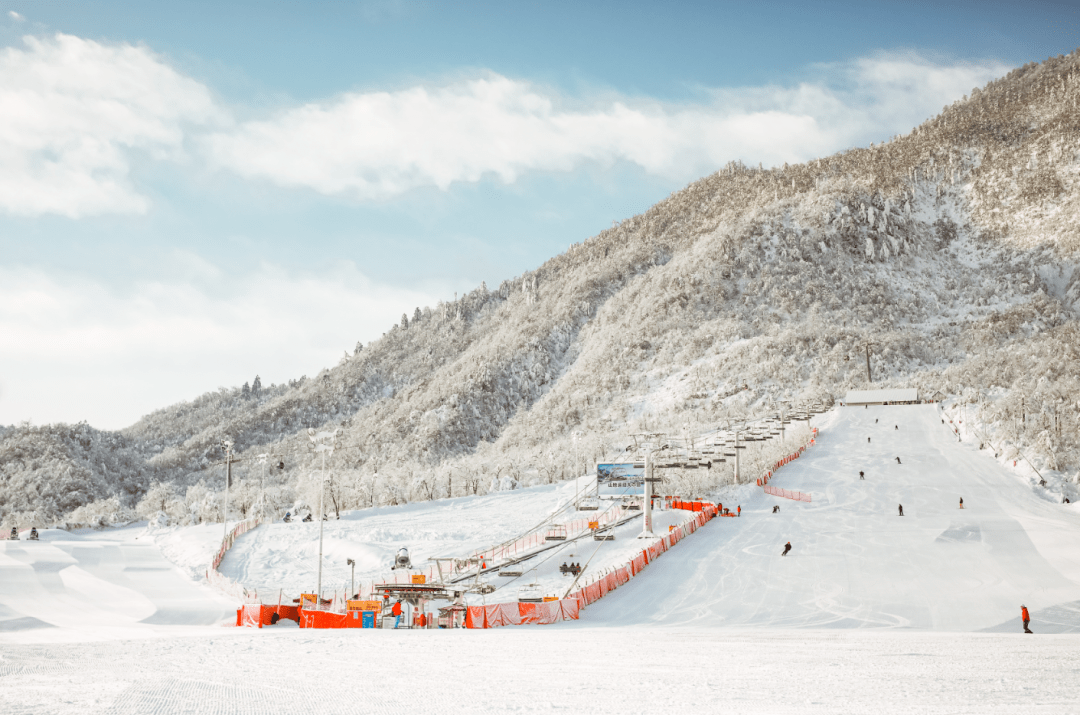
(15, 16)
(72, 109)
(74, 349)
(378, 144)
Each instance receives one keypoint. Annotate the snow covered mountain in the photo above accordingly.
(952, 250)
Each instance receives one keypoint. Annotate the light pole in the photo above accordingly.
(227, 445)
(324, 442)
(352, 577)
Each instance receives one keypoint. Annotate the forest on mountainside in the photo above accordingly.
(952, 250)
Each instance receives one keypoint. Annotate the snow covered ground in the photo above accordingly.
(871, 612)
(547, 669)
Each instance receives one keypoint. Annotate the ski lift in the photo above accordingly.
(530, 593)
(510, 572)
(556, 533)
(604, 535)
(402, 560)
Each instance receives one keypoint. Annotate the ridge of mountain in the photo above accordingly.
(952, 248)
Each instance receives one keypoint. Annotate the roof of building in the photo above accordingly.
(901, 394)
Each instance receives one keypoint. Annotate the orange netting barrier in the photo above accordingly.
(788, 494)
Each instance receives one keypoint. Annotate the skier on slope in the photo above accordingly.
(862, 476)
(901, 510)
(896, 426)
(787, 548)
(740, 510)
(961, 502)
(898, 460)
(1026, 618)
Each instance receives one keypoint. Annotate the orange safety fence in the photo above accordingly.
(788, 494)
(257, 616)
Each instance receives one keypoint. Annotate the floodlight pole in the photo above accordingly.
(647, 532)
(352, 578)
(736, 456)
(324, 442)
(227, 444)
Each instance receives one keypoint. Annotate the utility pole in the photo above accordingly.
(737, 448)
(869, 378)
(227, 445)
(352, 578)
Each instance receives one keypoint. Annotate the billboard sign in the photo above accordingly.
(613, 480)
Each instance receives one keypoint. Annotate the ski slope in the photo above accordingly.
(99, 582)
(855, 562)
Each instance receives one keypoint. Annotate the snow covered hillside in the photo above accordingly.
(855, 562)
(951, 250)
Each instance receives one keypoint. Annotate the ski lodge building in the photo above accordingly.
(896, 396)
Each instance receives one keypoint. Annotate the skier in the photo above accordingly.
(787, 548)
(875, 421)
(898, 460)
(868, 440)
(961, 502)
(1065, 500)
(901, 510)
(396, 612)
(33, 533)
(1027, 619)
(896, 426)
(862, 476)
(740, 510)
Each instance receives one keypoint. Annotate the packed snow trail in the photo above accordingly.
(855, 562)
(83, 583)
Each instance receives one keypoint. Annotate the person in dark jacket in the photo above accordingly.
(901, 510)
(862, 476)
(787, 548)
(898, 460)
(961, 502)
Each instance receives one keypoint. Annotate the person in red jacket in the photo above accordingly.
(396, 612)
(1027, 619)
(740, 510)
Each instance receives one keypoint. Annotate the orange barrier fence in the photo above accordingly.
(518, 614)
(257, 616)
(788, 494)
(220, 580)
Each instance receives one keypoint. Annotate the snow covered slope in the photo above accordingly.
(87, 583)
(855, 562)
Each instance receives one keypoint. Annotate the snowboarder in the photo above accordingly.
(875, 421)
(33, 533)
(1027, 619)
(288, 517)
(740, 510)
(308, 517)
(896, 426)
(776, 508)
(787, 548)
(898, 460)
(862, 476)
(1065, 500)
(868, 440)
(396, 612)
(901, 510)
(961, 502)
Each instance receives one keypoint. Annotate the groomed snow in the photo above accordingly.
(855, 562)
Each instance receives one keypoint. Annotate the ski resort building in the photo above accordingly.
(897, 396)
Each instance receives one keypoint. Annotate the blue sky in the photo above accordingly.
(192, 193)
